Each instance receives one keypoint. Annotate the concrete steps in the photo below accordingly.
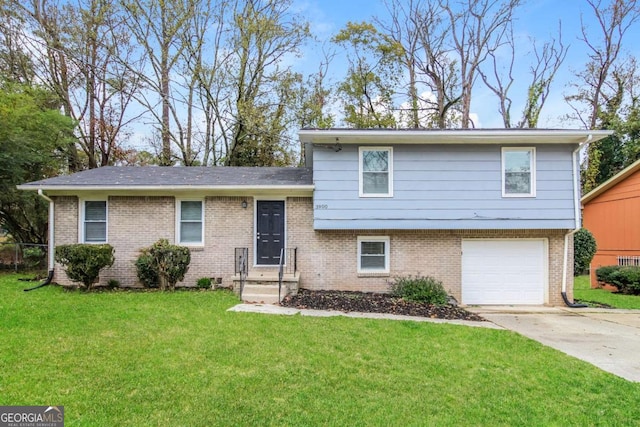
(262, 293)
(262, 287)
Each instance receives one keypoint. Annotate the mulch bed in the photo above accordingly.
(595, 304)
(374, 303)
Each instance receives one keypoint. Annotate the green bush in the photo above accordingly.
(113, 283)
(32, 257)
(170, 262)
(419, 289)
(625, 278)
(204, 282)
(83, 262)
(147, 273)
(604, 274)
(584, 248)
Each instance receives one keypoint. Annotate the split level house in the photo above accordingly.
(611, 213)
(490, 213)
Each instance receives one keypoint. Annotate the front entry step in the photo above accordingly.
(261, 293)
(262, 288)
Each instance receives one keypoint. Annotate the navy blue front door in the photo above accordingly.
(269, 231)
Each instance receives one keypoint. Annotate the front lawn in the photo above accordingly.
(582, 291)
(151, 358)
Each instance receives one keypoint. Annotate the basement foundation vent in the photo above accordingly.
(629, 261)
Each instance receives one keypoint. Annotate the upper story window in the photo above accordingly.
(376, 171)
(190, 227)
(519, 172)
(94, 221)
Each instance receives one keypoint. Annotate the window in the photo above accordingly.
(190, 222)
(376, 172)
(518, 172)
(94, 221)
(373, 254)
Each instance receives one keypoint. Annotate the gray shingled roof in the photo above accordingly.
(188, 177)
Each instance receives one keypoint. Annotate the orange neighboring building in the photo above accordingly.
(612, 213)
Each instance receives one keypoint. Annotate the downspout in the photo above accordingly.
(51, 261)
(577, 215)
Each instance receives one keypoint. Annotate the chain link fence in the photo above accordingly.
(23, 256)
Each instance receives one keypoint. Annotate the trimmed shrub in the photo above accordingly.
(629, 280)
(419, 289)
(204, 282)
(604, 274)
(170, 262)
(83, 262)
(147, 273)
(584, 248)
(625, 278)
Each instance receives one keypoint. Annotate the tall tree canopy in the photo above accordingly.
(372, 77)
(33, 139)
(227, 82)
(605, 90)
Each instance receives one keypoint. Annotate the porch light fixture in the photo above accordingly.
(244, 204)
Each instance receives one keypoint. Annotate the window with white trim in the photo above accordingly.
(94, 221)
(376, 171)
(518, 172)
(190, 227)
(373, 254)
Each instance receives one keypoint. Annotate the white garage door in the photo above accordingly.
(503, 271)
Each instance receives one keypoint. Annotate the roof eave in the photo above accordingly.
(172, 189)
(480, 136)
(611, 182)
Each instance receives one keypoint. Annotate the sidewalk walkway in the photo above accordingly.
(288, 311)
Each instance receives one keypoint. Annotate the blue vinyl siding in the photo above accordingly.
(443, 187)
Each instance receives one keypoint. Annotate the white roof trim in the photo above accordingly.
(460, 136)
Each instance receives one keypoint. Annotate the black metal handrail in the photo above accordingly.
(288, 263)
(280, 273)
(242, 265)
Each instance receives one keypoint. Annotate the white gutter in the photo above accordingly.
(576, 208)
(51, 228)
(451, 132)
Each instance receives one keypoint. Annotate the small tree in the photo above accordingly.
(584, 248)
(83, 262)
(170, 261)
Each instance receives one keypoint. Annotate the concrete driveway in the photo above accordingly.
(606, 338)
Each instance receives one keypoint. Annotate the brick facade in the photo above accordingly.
(326, 259)
(137, 222)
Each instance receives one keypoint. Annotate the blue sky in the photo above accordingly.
(536, 18)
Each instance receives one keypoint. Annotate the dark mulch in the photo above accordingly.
(374, 303)
(595, 304)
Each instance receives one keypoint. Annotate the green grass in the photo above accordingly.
(181, 359)
(582, 291)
